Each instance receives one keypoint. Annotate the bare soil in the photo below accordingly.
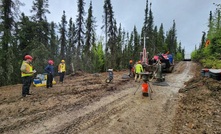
(86, 104)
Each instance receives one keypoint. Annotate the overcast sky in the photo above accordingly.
(191, 16)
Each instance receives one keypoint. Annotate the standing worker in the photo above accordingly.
(50, 73)
(26, 73)
(130, 67)
(138, 70)
(159, 75)
(61, 70)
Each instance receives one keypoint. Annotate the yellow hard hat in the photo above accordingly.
(62, 61)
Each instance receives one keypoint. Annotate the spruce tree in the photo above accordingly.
(63, 38)
(40, 9)
(110, 32)
(8, 12)
(71, 48)
(80, 32)
(90, 38)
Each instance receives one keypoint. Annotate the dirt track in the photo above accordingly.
(86, 104)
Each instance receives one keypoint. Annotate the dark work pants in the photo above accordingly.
(62, 76)
(26, 85)
(49, 80)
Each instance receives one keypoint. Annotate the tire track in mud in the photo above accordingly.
(77, 119)
(103, 115)
(177, 81)
(82, 97)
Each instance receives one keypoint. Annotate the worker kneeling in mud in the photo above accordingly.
(110, 75)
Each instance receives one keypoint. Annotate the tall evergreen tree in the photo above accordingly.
(90, 30)
(40, 9)
(8, 10)
(171, 39)
(53, 47)
(80, 30)
(161, 40)
(90, 38)
(203, 40)
(71, 48)
(26, 33)
(144, 28)
(63, 38)
(118, 49)
(111, 33)
(155, 42)
(149, 30)
(136, 43)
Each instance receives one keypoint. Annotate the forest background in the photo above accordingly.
(77, 43)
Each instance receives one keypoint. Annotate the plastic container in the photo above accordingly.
(37, 81)
(145, 88)
(205, 72)
(215, 74)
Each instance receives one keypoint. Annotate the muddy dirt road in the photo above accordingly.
(86, 104)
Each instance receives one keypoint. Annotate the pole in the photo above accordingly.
(151, 91)
(136, 90)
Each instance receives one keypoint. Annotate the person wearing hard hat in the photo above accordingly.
(26, 73)
(61, 70)
(130, 67)
(50, 73)
(138, 70)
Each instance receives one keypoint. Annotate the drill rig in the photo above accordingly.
(149, 70)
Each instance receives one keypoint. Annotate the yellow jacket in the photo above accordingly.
(61, 68)
(138, 68)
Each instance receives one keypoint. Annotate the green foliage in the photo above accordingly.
(98, 58)
(41, 56)
(179, 56)
(211, 62)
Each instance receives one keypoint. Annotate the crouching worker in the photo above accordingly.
(50, 73)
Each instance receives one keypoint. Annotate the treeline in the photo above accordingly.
(209, 51)
(76, 41)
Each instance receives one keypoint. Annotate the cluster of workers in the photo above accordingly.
(27, 73)
(137, 68)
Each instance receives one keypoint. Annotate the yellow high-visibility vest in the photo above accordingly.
(138, 68)
(61, 68)
(28, 68)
